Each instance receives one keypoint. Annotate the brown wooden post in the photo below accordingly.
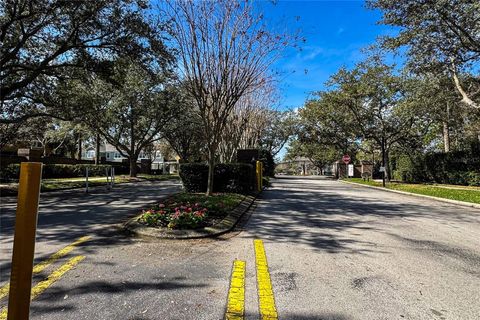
(24, 240)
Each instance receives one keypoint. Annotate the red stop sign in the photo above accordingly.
(346, 159)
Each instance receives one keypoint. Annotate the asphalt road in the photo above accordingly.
(334, 250)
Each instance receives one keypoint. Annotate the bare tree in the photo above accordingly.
(247, 123)
(225, 51)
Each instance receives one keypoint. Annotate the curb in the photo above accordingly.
(133, 227)
(459, 203)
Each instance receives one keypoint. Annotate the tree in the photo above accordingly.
(326, 123)
(373, 95)
(129, 109)
(43, 41)
(442, 33)
(184, 132)
(280, 128)
(225, 52)
(247, 124)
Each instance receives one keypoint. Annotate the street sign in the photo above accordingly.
(346, 159)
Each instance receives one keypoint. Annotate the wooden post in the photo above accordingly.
(24, 240)
(259, 175)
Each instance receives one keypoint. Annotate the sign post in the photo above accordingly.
(346, 159)
(24, 240)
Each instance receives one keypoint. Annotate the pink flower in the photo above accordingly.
(161, 205)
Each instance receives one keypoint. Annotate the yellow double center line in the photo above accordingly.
(44, 264)
(54, 276)
(266, 300)
(236, 294)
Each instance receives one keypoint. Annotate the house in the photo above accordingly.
(111, 154)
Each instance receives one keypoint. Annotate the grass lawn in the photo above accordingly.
(190, 210)
(79, 182)
(460, 193)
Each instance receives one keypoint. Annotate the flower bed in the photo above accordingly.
(190, 210)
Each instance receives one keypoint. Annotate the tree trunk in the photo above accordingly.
(211, 169)
(97, 150)
(79, 154)
(446, 136)
(133, 166)
(446, 130)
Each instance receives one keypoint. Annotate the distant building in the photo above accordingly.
(111, 154)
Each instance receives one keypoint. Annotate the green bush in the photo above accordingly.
(233, 177)
(9, 173)
(12, 171)
(458, 167)
(474, 178)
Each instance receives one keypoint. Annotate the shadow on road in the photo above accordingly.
(325, 217)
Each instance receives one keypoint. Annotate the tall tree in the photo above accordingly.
(184, 131)
(280, 128)
(372, 93)
(225, 51)
(129, 109)
(42, 41)
(441, 33)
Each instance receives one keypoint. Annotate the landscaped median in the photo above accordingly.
(466, 194)
(190, 215)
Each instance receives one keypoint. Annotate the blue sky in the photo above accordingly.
(335, 33)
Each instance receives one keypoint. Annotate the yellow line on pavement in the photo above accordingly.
(236, 294)
(44, 264)
(54, 276)
(266, 300)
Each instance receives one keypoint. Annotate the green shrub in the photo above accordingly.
(233, 177)
(10, 172)
(457, 167)
(474, 178)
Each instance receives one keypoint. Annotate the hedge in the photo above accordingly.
(233, 177)
(12, 171)
(458, 167)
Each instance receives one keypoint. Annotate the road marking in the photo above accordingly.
(236, 294)
(44, 264)
(54, 276)
(266, 300)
